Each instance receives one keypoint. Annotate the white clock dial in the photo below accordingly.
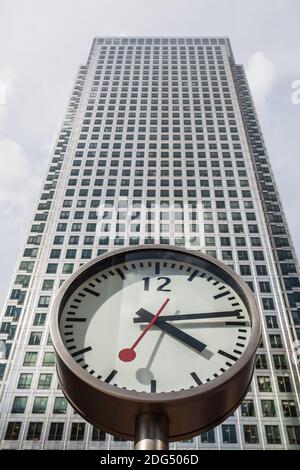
(201, 326)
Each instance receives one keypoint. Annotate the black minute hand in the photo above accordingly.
(163, 325)
(194, 316)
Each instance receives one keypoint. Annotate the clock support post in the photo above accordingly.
(151, 432)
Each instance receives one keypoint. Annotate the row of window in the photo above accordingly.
(268, 408)
(77, 433)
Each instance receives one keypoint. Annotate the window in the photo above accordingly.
(229, 434)
(271, 321)
(48, 359)
(250, 434)
(275, 341)
(208, 437)
(48, 284)
(98, 435)
(34, 431)
(60, 405)
(272, 434)
(35, 338)
(264, 384)
(39, 405)
(19, 405)
(289, 408)
(261, 361)
(56, 431)
(279, 361)
(245, 270)
(30, 359)
(247, 408)
(13, 431)
(24, 381)
(77, 431)
(44, 381)
(284, 384)
(39, 319)
(268, 303)
(293, 433)
(44, 301)
(268, 408)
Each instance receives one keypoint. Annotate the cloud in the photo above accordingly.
(18, 181)
(261, 73)
(7, 78)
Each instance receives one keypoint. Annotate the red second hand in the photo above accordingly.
(128, 354)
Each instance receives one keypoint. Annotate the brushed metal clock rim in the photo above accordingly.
(74, 282)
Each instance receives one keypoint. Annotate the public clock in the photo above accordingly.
(155, 329)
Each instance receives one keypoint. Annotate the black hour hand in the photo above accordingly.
(172, 330)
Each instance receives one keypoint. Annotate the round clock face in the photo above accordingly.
(156, 322)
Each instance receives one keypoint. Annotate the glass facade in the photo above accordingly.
(160, 143)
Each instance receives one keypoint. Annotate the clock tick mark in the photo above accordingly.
(81, 294)
(153, 386)
(85, 366)
(91, 291)
(193, 275)
(226, 354)
(81, 351)
(121, 274)
(237, 352)
(78, 301)
(110, 376)
(196, 378)
(222, 294)
(79, 320)
(73, 306)
(157, 268)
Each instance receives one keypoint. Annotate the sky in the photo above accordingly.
(43, 42)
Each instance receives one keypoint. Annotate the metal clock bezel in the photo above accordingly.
(190, 411)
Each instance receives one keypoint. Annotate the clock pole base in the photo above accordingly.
(151, 432)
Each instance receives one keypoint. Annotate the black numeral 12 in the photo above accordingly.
(161, 287)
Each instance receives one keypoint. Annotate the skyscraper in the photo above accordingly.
(160, 143)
